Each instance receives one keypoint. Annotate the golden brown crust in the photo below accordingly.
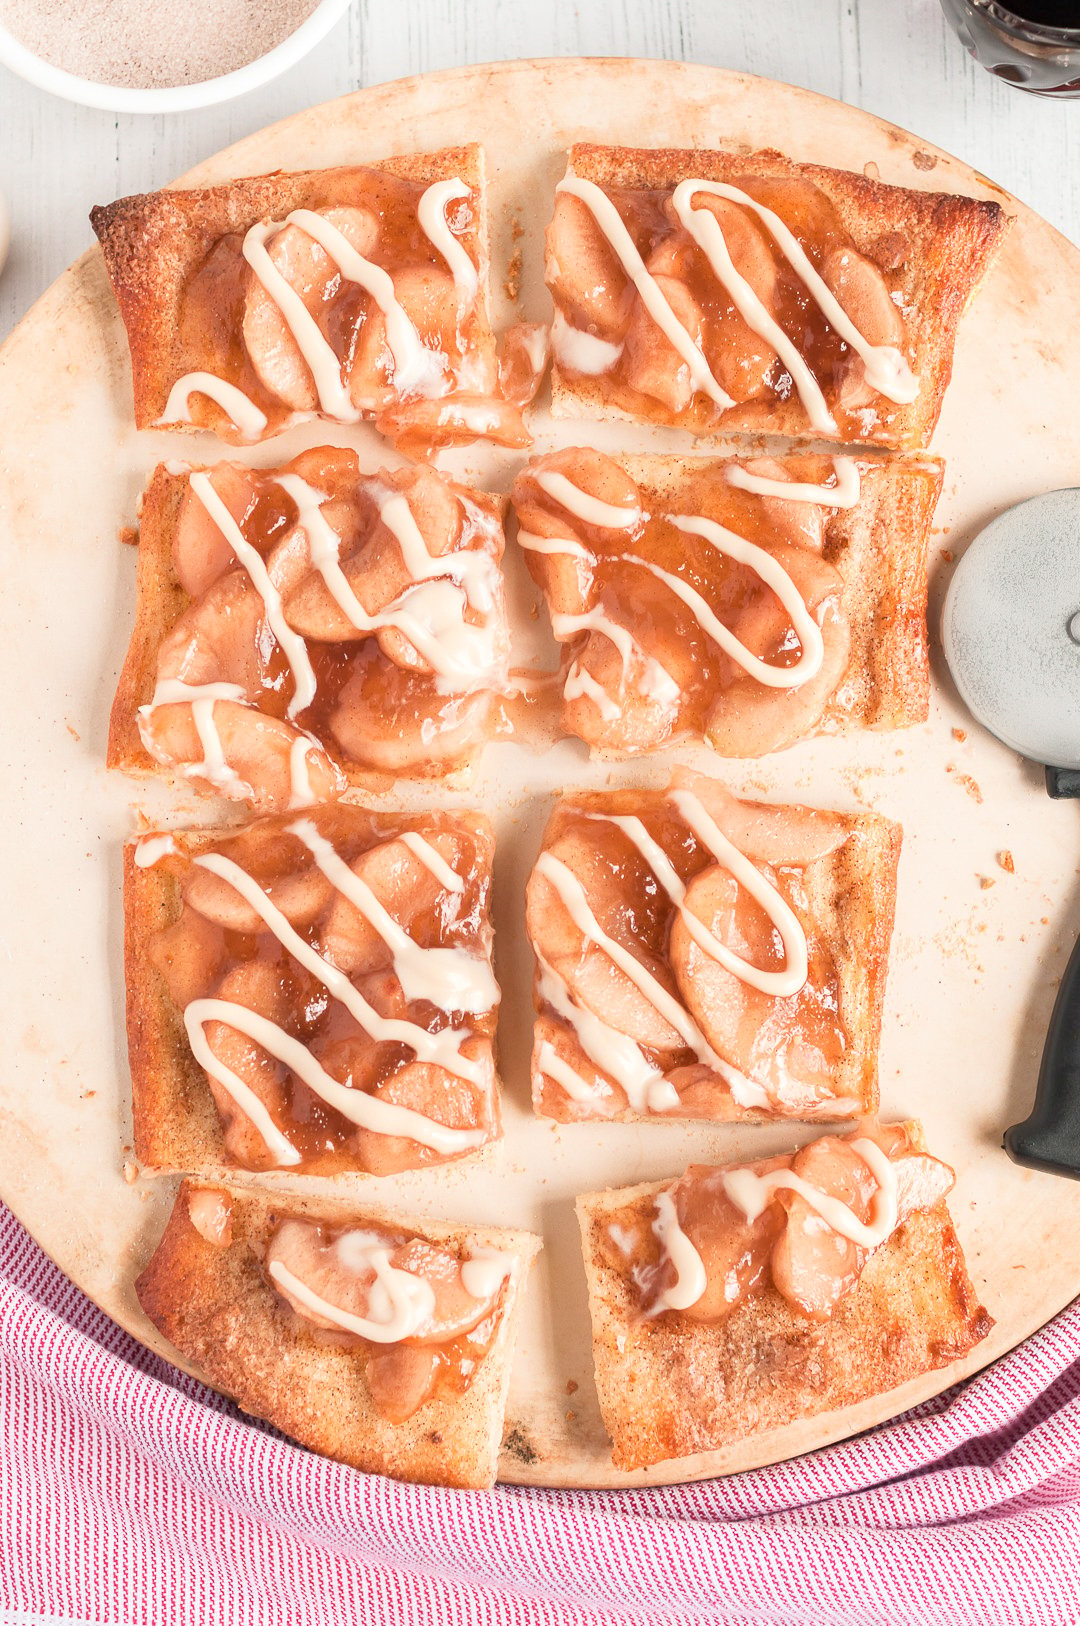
(177, 1127)
(952, 242)
(154, 241)
(879, 547)
(670, 1387)
(216, 1305)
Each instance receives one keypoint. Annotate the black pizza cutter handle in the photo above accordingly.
(1049, 1138)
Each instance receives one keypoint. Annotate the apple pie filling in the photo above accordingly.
(333, 621)
(689, 303)
(330, 975)
(687, 955)
(714, 616)
(802, 1226)
(369, 302)
(423, 1315)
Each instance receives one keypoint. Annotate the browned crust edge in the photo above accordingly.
(217, 1308)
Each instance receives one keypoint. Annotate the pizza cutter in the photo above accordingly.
(1011, 631)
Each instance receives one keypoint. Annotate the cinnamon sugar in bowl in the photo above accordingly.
(158, 56)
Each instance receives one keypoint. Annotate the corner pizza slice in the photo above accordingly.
(383, 1342)
(346, 294)
(734, 1300)
(725, 291)
(703, 957)
(312, 992)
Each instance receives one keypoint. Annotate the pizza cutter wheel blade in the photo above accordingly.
(1011, 632)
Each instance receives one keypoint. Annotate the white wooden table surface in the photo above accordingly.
(895, 57)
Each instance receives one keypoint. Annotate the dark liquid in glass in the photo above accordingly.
(1021, 42)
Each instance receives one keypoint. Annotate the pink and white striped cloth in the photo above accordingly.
(129, 1494)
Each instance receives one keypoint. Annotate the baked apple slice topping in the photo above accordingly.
(681, 969)
(333, 619)
(678, 623)
(803, 1226)
(359, 311)
(423, 1315)
(710, 296)
(335, 991)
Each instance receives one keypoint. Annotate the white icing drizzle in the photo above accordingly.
(368, 1111)
(608, 516)
(317, 351)
(572, 895)
(887, 371)
(431, 612)
(536, 343)
(581, 683)
(582, 352)
(691, 1278)
(440, 1048)
(555, 1067)
(707, 233)
(432, 860)
(292, 644)
(775, 577)
(473, 568)
(612, 1052)
(417, 370)
(301, 793)
(485, 1270)
(776, 983)
(263, 1032)
(202, 698)
(407, 1300)
(431, 213)
(779, 984)
(844, 494)
(751, 1193)
(249, 419)
(150, 850)
(655, 682)
(610, 222)
(555, 544)
(450, 978)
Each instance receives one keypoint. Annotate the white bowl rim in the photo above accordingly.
(172, 98)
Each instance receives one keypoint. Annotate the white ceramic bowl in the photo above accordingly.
(173, 98)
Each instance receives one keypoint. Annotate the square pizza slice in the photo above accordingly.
(748, 601)
(730, 291)
(381, 1341)
(304, 627)
(312, 992)
(703, 957)
(347, 294)
(735, 1300)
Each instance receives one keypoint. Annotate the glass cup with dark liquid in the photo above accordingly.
(1033, 44)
